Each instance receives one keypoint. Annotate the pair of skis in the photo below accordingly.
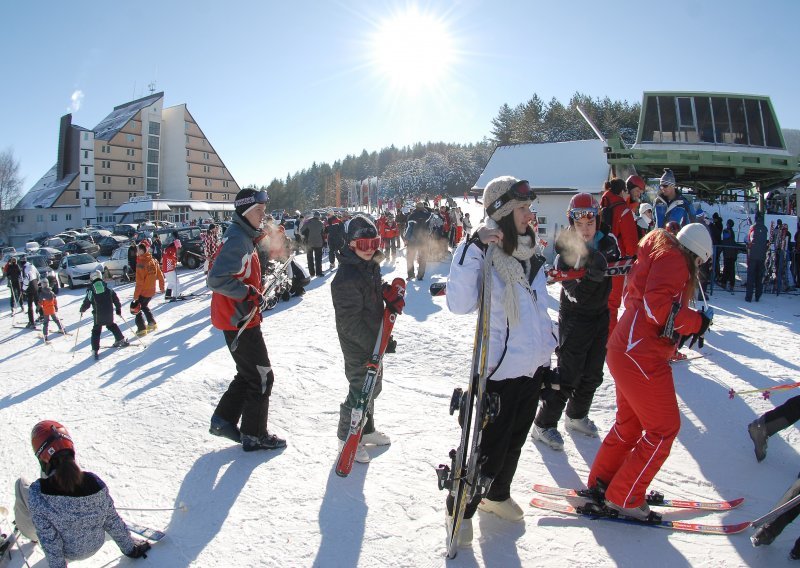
(593, 510)
(462, 478)
(358, 414)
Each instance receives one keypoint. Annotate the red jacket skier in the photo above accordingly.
(656, 315)
(623, 226)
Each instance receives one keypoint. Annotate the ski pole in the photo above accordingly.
(139, 339)
(181, 507)
(77, 332)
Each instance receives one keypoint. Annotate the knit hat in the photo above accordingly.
(360, 227)
(495, 197)
(616, 186)
(668, 178)
(419, 205)
(248, 198)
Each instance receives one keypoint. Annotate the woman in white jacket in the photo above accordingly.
(521, 338)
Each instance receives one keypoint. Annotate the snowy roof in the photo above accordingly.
(145, 205)
(46, 191)
(110, 125)
(560, 166)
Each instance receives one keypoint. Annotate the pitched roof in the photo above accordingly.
(46, 191)
(107, 128)
(559, 166)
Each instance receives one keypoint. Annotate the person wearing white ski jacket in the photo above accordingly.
(30, 286)
(521, 338)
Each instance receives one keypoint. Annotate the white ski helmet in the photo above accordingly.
(96, 275)
(697, 239)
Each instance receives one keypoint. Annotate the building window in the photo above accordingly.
(152, 142)
(206, 169)
(130, 151)
(77, 195)
(20, 218)
(40, 218)
(68, 216)
(205, 155)
(187, 152)
(131, 195)
(85, 135)
(86, 153)
(105, 149)
(131, 166)
(155, 128)
(152, 170)
(187, 139)
(131, 138)
(152, 185)
(152, 156)
(224, 184)
(54, 217)
(190, 181)
(86, 169)
(86, 186)
(207, 182)
(188, 167)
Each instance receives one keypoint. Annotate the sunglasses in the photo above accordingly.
(368, 244)
(587, 213)
(520, 190)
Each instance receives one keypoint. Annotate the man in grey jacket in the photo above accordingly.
(312, 235)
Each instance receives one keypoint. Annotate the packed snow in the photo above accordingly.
(139, 418)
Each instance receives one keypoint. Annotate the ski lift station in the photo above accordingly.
(722, 148)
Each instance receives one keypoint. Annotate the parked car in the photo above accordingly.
(289, 227)
(45, 270)
(117, 265)
(99, 234)
(52, 255)
(8, 250)
(111, 242)
(55, 242)
(191, 253)
(75, 269)
(66, 237)
(125, 229)
(31, 247)
(82, 247)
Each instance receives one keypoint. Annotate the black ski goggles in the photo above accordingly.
(520, 190)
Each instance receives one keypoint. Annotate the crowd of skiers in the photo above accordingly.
(499, 257)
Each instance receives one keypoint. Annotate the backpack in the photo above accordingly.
(607, 217)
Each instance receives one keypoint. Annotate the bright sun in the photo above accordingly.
(413, 51)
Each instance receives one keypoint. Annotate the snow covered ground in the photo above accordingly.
(140, 420)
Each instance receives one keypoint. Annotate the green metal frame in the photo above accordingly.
(711, 169)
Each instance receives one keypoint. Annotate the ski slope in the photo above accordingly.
(139, 418)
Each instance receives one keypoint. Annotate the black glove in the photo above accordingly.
(551, 379)
(596, 265)
(254, 296)
(139, 549)
(707, 317)
(119, 312)
(391, 345)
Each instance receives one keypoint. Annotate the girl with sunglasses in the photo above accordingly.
(521, 339)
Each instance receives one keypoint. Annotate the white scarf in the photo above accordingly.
(509, 269)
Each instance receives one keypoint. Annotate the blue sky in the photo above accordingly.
(277, 85)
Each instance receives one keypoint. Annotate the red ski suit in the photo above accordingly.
(623, 226)
(638, 358)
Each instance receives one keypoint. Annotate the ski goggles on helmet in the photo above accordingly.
(583, 213)
(368, 243)
(520, 190)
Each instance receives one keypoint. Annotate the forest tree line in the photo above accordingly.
(451, 168)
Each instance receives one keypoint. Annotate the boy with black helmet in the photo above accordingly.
(68, 511)
(358, 296)
(104, 303)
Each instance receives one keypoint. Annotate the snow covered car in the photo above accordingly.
(117, 265)
(75, 269)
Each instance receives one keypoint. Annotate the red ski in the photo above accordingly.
(653, 498)
(358, 415)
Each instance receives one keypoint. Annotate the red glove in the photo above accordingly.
(394, 298)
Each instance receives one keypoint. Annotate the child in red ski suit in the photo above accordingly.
(656, 304)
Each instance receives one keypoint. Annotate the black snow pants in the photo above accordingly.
(776, 526)
(782, 416)
(503, 439)
(247, 397)
(581, 353)
(97, 330)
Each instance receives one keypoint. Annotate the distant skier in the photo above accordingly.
(334, 231)
(656, 317)
(30, 286)
(104, 303)
(235, 282)
(169, 267)
(14, 276)
(211, 243)
(68, 511)
(582, 323)
(417, 237)
(147, 274)
(358, 296)
(521, 339)
(756, 256)
(49, 305)
(670, 204)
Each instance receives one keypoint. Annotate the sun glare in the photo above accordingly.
(413, 50)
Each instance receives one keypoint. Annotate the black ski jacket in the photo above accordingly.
(103, 301)
(585, 296)
(357, 296)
